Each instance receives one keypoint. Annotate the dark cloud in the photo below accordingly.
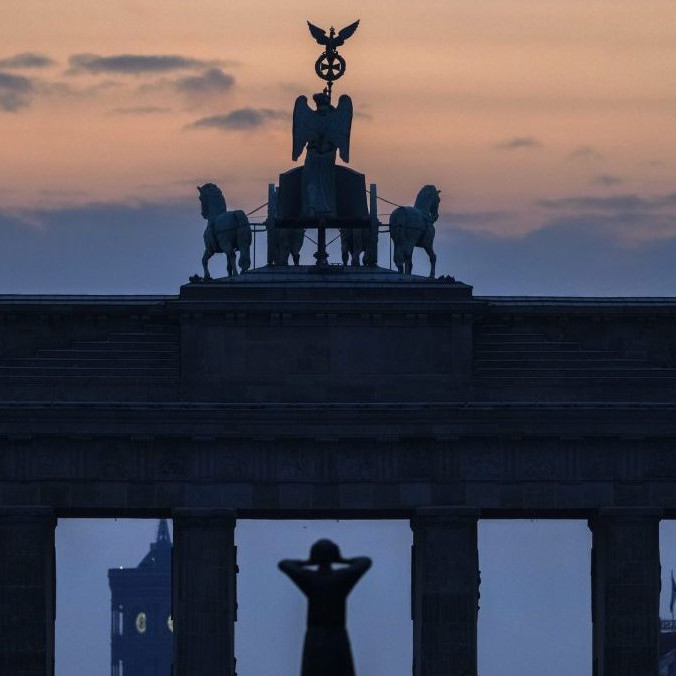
(578, 256)
(140, 110)
(585, 153)
(133, 64)
(616, 203)
(83, 249)
(27, 60)
(67, 90)
(476, 218)
(518, 142)
(212, 81)
(627, 218)
(242, 119)
(606, 180)
(16, 92)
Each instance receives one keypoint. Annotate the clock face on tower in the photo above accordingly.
(141, 623)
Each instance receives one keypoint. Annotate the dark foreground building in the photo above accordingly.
(341, 393)
(141, 623)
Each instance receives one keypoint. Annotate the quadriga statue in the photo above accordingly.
(414, 226)
(226, 231)
(282, 242)
(357, 241)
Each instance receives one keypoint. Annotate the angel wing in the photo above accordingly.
(318, 34)
(341, 125)
(345, 33)
(302, 125)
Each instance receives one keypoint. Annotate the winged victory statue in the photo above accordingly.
(323, 131)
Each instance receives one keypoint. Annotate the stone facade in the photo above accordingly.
(351, 393)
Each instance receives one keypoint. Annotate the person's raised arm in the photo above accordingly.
(289, 565)
(296, 569)
(356, 567)
(360, 563)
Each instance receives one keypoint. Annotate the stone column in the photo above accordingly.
(203, 594)
(27, 591)
(625, 591)
(445, 591)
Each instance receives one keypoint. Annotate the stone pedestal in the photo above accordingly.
(326, 334)
(445, 592)
(27, 591)
(625, 592)
(203, 594)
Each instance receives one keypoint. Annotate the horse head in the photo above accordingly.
(428, 201)
(211, 200)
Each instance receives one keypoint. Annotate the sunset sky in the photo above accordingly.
(549, 126)
(539, 120)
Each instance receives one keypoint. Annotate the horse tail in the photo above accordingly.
(398, 221)
(243, 240)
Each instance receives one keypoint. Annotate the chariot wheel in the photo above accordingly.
(330, 67)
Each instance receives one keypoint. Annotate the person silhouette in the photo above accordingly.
(326, 650)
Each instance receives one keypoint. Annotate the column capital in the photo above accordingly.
(27, 513)
(655, 512)
(442, 514)
(204, 517)
(625, 514)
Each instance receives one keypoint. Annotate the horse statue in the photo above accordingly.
(226, 231)
(289, 243)
(282, 242)
(414, 226)
(357, 241)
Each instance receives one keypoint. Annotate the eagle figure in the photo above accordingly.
(332, 40)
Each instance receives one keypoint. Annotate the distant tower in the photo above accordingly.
(141, 627)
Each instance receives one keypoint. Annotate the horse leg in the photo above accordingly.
(283, 248)
(229, 252)
(357, 247)
(433, 258)
(408, 260)
(398, 258)
(208, 253)
(244, 257)
(232, 263)
(296, 258)
(244, 260)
